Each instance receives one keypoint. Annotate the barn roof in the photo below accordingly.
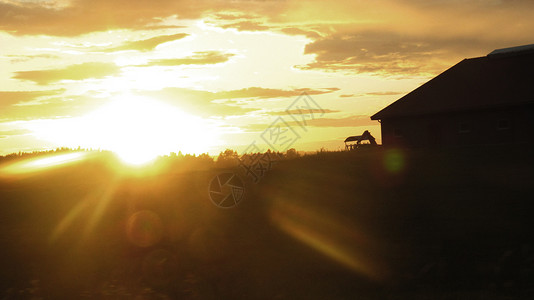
(353, 138)
(504, 77)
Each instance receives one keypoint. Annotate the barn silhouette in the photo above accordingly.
(479, 101)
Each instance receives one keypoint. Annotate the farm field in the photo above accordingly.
(370, 224)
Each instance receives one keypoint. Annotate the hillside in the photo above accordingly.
(374, 224)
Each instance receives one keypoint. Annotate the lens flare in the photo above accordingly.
(144, 228)
(338, 240)
(42, 164)
(394, 161)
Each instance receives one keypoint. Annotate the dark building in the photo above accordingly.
(479, 101)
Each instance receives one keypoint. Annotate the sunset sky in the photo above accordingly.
(201, 76)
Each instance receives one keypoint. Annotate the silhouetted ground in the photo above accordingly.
(371, 224)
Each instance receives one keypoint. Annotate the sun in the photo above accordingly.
(137, 129)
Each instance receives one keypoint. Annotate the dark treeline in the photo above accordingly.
(40, 153)
(173, 162)
(227, 157)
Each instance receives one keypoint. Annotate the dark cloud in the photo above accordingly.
(412, 37)
(367, 52)
(382, 52)
(199, 58)
(147, 44)
(72, 72)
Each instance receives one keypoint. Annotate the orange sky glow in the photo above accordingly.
(165, 76)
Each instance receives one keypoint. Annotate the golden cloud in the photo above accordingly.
(72, 72)
(147, 44)
(312, 34)
(247, 26)
(302, 112)
(350, 121)
(9, 98)
(23, 58)
(390, 53)
(55, 107)
(84, 16)
(389, 93)
(8, 133)
(263, 93)
(199, 58)
(201, 103)
(407, 37)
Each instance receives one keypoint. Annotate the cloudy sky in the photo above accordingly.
(198, 76)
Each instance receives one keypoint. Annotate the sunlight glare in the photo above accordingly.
(39, 164)
(138, 129)
(56, 160)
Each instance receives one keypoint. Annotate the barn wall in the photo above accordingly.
(509, 126)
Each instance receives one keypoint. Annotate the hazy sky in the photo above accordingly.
(197, 76)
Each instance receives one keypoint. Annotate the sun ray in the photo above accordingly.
(137, 128)
(42, 164)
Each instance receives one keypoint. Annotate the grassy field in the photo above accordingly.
(370, 224)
